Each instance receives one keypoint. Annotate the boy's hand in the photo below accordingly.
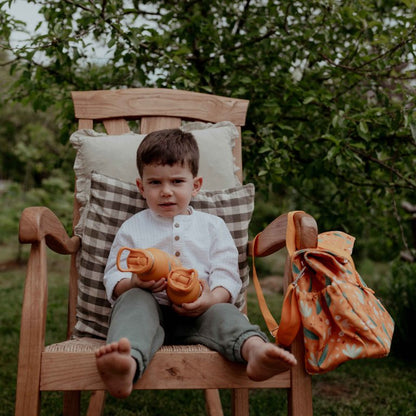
(151, 285)
(204, 302)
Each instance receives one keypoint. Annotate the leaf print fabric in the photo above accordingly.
(342, 319)
(339, 315)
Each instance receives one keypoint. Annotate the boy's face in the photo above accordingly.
(168, 189)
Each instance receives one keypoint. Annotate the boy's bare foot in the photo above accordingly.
(117, 367)
(264, 359)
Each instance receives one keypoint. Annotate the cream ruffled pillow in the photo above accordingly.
(115, 156)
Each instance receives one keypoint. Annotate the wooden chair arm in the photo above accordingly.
(39, 227)
(273, 237)
(38, 223)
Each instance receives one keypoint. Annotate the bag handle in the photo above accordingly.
(290, 319)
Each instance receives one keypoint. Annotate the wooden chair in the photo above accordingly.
(63, 368)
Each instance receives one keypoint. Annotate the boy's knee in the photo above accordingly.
(135, 294)
(223, 310)
(136, 298)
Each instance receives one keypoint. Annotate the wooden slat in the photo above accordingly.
(238, 156)
(72, 297)
(85, 124)
(149, 124)
(167, 370)
(133, 103)
(116, 126)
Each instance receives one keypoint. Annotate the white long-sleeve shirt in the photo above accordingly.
(201, 241)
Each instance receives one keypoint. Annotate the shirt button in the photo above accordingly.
(176, 237)
(177, 254)
(176, 225)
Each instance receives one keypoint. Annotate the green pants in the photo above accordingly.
(137, 316)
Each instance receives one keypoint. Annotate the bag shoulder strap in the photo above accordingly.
(290, 313)
(268, 317)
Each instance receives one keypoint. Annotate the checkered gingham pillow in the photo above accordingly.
(111, 203)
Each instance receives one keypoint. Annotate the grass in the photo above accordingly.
(382, 387)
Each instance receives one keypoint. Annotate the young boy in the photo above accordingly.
(142, 318)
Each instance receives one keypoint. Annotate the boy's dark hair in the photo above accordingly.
(168, 147)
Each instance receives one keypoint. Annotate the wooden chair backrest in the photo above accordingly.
(155, 109)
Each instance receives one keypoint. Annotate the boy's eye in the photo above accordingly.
(176, 181)
(154, 182)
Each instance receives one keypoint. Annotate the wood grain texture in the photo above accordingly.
(32, 332)
(96, 404)
(134, 103)
(213, 402)
(176, 370)
(240, 402)
(273, 237)
(40, 223)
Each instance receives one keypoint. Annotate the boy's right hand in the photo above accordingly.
(151, 285)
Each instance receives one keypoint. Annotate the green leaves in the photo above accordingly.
(329, 85)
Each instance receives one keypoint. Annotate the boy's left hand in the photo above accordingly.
(204, 302)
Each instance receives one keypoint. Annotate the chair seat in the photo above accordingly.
(81, 345)
(71, 366)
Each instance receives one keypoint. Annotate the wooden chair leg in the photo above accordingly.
(300, 393)
(96, 405)
(72, 403)
(32, 333)
(213, 402)
(240, 403)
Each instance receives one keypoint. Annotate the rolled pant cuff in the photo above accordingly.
(139, 365)
(238, 345)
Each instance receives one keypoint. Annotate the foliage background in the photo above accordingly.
(331, 123)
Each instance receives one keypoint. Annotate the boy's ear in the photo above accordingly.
(197, 185)
(139, 184)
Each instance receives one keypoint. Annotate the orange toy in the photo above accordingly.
(183, 285)
(148, 264)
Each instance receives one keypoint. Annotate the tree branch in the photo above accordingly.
(79, 6)
(4, 64)
(252, 41)
(375, 58)
(411, 184)
(243, 17)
